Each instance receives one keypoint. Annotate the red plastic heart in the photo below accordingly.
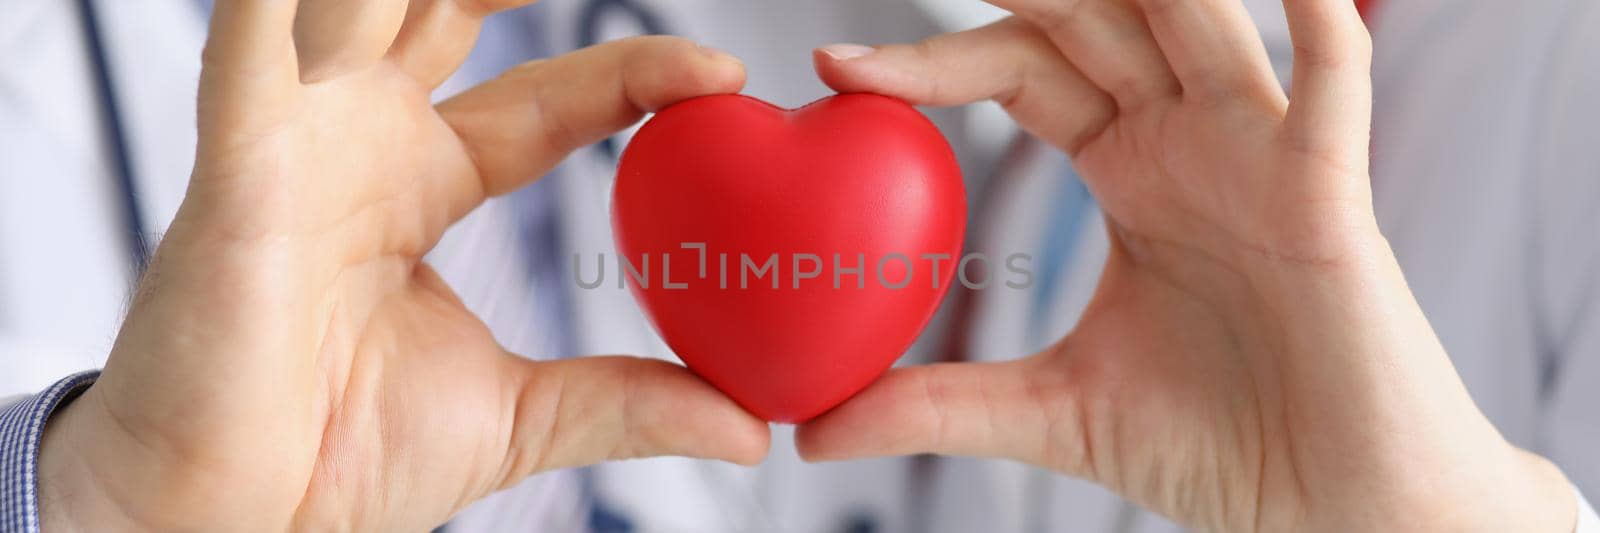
(854, 206)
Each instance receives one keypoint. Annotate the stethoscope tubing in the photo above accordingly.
(124, 178)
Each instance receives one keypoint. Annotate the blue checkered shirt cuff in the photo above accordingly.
(21, 429)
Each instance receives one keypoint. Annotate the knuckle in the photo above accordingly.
(560, 134)
(937, 392)
(1157, 8)
(1056, 16)
(1349, 52)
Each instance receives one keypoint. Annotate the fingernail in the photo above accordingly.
(713, 52)
(845, 51)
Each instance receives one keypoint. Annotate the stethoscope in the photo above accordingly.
(124, 179)
(648, 21)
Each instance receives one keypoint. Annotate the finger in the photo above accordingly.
(1330, 103)
(583, 411)
(972, 409)
(520, 125)
(439, 34)
(335, 37)
(249, 60)
(1213, 47)
(1109, 41)
(251, 35)
(1009, 61)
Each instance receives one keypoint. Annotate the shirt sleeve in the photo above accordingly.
(1588, 522)
(21, 429)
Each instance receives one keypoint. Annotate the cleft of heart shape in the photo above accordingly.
(789, 257)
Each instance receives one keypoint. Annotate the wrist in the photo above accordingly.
(73, 496)
(1349, 327)
(1521, 492)
(1549, 501)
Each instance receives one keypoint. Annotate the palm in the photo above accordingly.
(1160, 367)
(1152, 381)
(290, 292)
(419, 370)
(402, 361)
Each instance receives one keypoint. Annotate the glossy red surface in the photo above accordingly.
(861, 176)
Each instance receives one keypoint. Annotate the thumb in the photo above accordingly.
(1010, 62)
(582, 411)
(1006, 410)
(984, 63)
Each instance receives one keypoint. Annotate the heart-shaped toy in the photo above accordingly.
(789, 257)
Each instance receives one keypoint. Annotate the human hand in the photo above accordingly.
(1252, 359)
(290, 362)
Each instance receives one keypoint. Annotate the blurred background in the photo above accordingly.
(1485, 166)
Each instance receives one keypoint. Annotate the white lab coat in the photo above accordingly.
(1502, 257)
